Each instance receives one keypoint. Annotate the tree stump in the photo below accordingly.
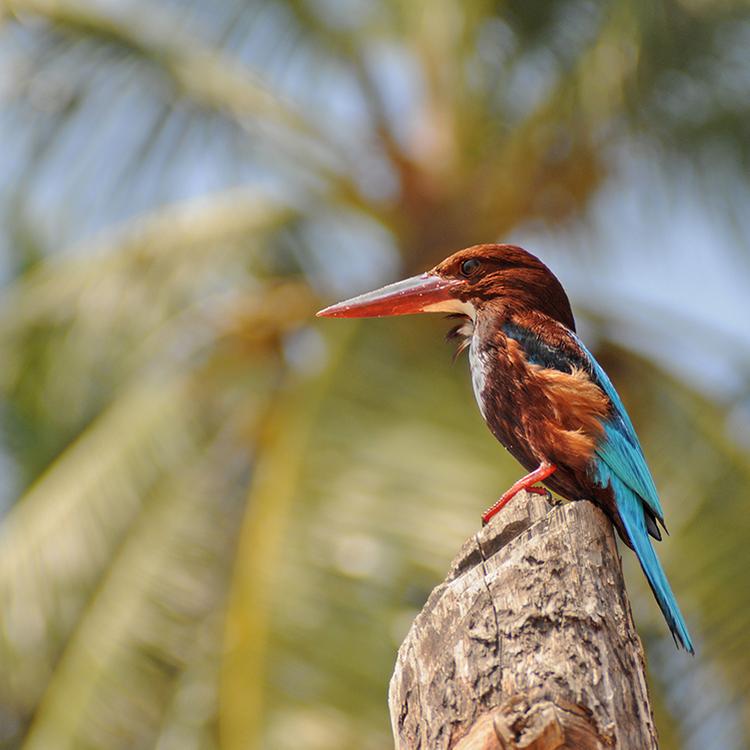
(529, 643)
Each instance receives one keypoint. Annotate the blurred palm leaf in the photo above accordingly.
(150, 619)
(61, 536)
(162, 380)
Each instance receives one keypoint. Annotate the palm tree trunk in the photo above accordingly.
(528, 643)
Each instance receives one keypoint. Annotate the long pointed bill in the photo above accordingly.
(423, 293)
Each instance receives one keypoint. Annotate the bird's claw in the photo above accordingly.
(540, 491)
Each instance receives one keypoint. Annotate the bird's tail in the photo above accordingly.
(632, 514)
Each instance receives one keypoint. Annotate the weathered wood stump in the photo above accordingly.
(529, 643)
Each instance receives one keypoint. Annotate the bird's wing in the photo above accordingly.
(556, 347)
(619, 461)
(622, 466)
(621, 449)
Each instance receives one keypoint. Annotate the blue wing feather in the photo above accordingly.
(621, 449)
(620, 464)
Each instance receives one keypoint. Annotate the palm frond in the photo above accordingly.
(210, 79)
(172, 238)
(60, 537)
(138, 635)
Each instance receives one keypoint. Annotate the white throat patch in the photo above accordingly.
(453, 306)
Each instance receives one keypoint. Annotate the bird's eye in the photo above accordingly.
(470, 267)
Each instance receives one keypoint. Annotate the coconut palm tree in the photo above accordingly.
(222, 516)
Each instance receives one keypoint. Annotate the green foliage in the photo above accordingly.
(226, 514)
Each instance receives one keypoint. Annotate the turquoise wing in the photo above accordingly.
(620, 464)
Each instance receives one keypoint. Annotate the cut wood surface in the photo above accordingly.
(529, 643)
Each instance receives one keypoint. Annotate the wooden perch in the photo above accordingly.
(529, 643)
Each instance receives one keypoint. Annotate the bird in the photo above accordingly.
(541, 392)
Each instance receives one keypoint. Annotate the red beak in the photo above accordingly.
(415, 295)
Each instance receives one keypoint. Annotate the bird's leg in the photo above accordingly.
(538, 475)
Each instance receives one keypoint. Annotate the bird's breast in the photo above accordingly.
(480, 365)
(495, 387)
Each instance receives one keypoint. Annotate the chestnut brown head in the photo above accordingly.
(505, 276)
(479, 279)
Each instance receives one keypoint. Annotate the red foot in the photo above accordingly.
(525, 483)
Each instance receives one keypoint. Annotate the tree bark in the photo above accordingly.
(529, 643)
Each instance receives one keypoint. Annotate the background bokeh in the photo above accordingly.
(219, 515)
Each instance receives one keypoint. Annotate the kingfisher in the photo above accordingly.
(541, 392)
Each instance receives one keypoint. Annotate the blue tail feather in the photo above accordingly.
(631, 511)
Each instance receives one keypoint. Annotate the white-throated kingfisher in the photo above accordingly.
(541, 392)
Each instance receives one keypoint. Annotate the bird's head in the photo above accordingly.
(495, 279)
